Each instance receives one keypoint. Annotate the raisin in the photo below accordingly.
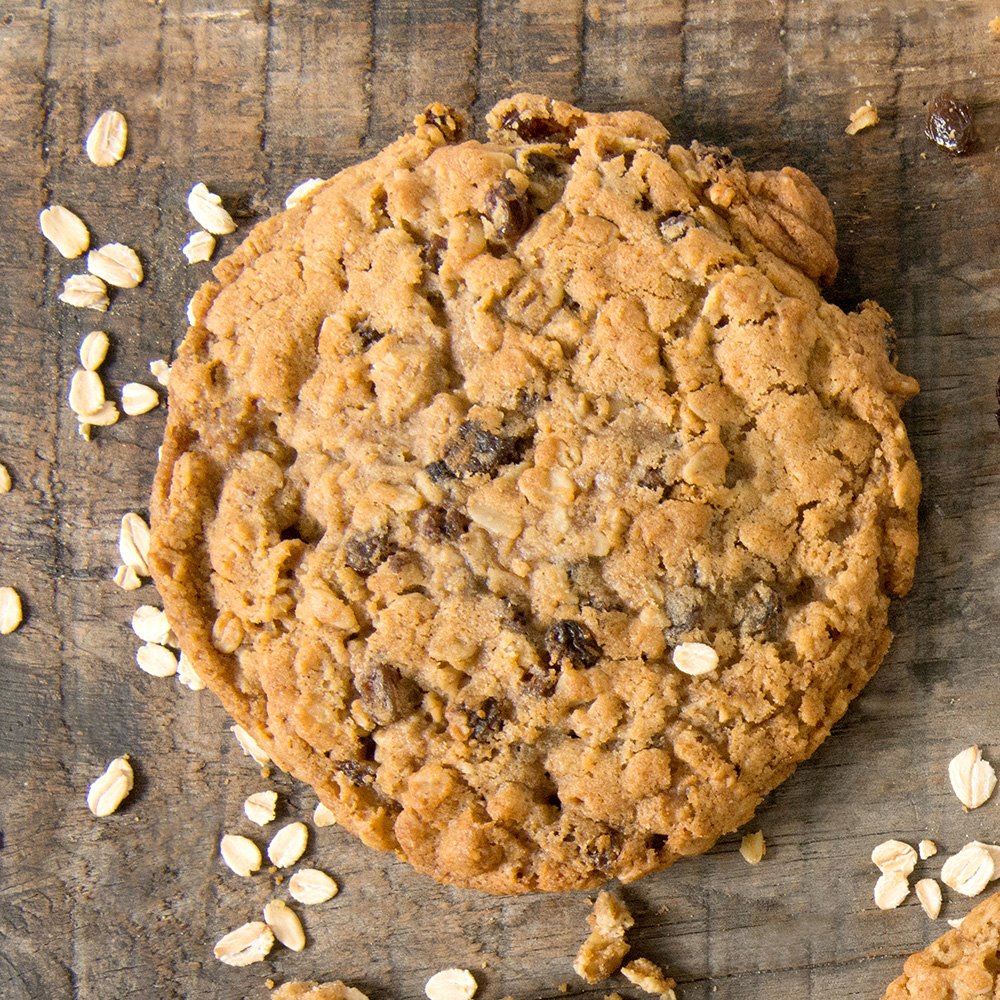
(603, 850)
(758, 609)
(541, 683)
(438, 472)
(509, 211)
(653, 479)
(543, 166)
(485, 721)
(357, 772)
(949, 124)
(365, 553)
(537, 129)
(385, 694)
(474, 449)
(440, 523)
(573, 641)
(431, 252)
(368, 334)
(683, 606)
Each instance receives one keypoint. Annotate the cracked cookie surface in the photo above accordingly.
(464, 446)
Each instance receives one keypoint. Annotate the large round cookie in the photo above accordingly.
(472, 451)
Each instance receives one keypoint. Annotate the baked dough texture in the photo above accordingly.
(464, 446)
(960, 965)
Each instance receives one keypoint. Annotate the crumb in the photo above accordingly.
(863, 117)
(994, 27)
(602, 953)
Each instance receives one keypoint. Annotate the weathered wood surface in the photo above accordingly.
(254, 97)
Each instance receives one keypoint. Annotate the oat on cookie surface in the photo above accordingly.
(959, 965)
(465, 445)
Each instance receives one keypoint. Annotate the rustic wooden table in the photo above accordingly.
(252, 98)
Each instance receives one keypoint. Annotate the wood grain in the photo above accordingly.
(252, 98)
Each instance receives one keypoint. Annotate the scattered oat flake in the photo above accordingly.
(133, 543)
(752, 847)
(894, 856)
(138, 398)
(94, 349)
(287, 927)
(323, 815)
(85, 291)
(189, 311)
(259, 807)
(926, 849)
(969, 871)
(249, 745)
(890, 890)
(107, 792)
(106, 140)
(208, 212)
(160, 370)
(695, 658)
(302, 191)
(929, 894)
(104, 417)
(186, 674)
(310, 886)
(150, 624)
(11, 614)
(955, 923)
(288, 845)
(241, 854)
(5, 481)
(862, 117)
(972, 778)
(117, 264)
(245, 945)
(199, 247)
(451, 984)
(993, 850)
(127, 578)
(64, 230)
(156, 660)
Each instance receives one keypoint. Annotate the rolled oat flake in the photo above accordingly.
(107, 792)
(288, 844)
(10, 610)
(245, 945)
(106, 140)
(451, 984)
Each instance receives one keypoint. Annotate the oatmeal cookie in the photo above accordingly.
(526, 498)
(959, 965)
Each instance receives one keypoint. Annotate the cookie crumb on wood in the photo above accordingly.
(994, 27)
(650, 977)
(863, 117)
(311, 990)
(601, 955)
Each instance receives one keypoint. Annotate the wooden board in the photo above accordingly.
(254, 97)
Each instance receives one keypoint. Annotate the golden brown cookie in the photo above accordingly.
(527, 499)
(959, 965)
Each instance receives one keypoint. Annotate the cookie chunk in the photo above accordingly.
(526, 498)
(960, 965)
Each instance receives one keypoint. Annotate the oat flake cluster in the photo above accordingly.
(527, 499)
